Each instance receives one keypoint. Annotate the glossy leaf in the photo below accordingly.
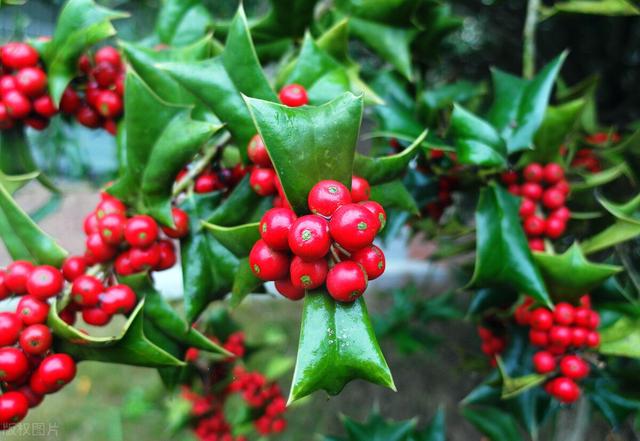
(394, 194)
(477, 142)
(621, 339)
(182, 22)
(435, 430)
(81, 24)
(519, 105)
(130, 347)
(595, 7)
(625, 227)
(337, 345)
(377, 428)
(496, 424)
(22, 236)
(503, 256)
(16, 158)
(328, 133)
(585, 275)
(398, 115)
(592, 180)
(238, 206)
(286, 19)
(239, 240)
(433, 100)
(514, 386)
(245, 283)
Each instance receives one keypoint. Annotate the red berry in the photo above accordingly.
(531, 190)
(353, 227)
(346, 281)
(267, 263)
(86, 290)
(522, 315)
(110, 126)
(17, 55)
(327, 196)
(553, 173)
(563, 186)
(574, 367)
(263, 181)
(181, 224)
(593, 339)
(553, 198)
(534, 226)
(360, 189)
(509, 177)
(527, 208)
(538, 338)
(98, 249)
(45, 281)
(536, 244)
(45, 106)
(143, 259)
(514, 189)
(258, 153)
(560, 336)
(55, 371)
(581, 317)
(105, 74)
(561, 213)
(544, 362)
(274, 227)
(70, 101)
(16, 276)
(95, 316)
(293, 95)
(91, 224)
(4, 291)
(36, 122)
(14, 365)
(13, 408)
(578, 337)
(33, 398)
(563, 313)
(111, 228)
(10, 327)
(371, 259)
(206, 183)
(377, 211)
(286, 288)
(308, 275)
(31, 81)
(141, 231)
(533, 172)
(36, 339)
(110, 205)
(6, 122)
(565, 390)
(108, 104)
(554, 227)
(168, 256)
(73, 267)
(123, 265)
(309, 237)
(7, 84)
(32, 311)
(18, 106)
(541, 319)
(118, 299)
(108, 54)
(88, 117)
(594, 320)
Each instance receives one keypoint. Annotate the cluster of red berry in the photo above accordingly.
(544, 192)
(293, 251)
(561, 333)
(492, 343)
(95, 97)
(28, 367)
(446, 185)
(587, 159)
(23, 88)
(441, 166)
(133, 244)
(215, 178)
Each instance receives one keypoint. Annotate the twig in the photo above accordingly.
(529, 34)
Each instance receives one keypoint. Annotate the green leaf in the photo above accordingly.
(337, 345)
(165, 318)
(622, 339)
(319, 140)
(286, 19)
(22, 236)
(512, 387)
(386, 168)
(611, 402)
(519, 105)
(442, 97)
(394, 194)
(239, 206)
(495, 423)
(398, 114)
(80, 25)
(221, 81)
(131, 346)
(377, 428)
(182, 22)
(16, 158)
(435, 430)
(585, 275)
(244, 283)
(594, 7)
(503, 256)
(592, 180)
(625, 227)
(477, 142)
(239, 240)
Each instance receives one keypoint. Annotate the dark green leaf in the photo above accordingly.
(394, 194)
(477, 142)
(244, 284)
(239, 240)
(237, 207)
(512, 387)
(182, 22)
(435, 430)
(495, 423)
(378, 429)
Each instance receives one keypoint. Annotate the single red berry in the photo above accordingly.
(274, 227)
(534, 225)
(533, 172)
(7, 84)
(14, 364)
(109, 104)
(123, 265)
(309, 237)
(541, 319)
(560, 336)
(56, 371)
(536, 244)
(562, 214)
(581, 316)
(258, 153)
(544, 362)
(10, 327)
(553, 198)
(553, 173)
(377, 211)
(110, 205)
(88, 117)
(108, 54)
(95, 316)
(91, 224)
(293, 95)
(181, 224)
(522, 315)
(70, 101)
(105, 74)
(14, 406)
(111, 228)
(31, 81)
(144, 259)
(554, 227)
(68, 315)
(594, 319)
(45, 106)
(110, 126)
(73, 267)
(6, 122)
(32, 311)
(531, 190)
(514, 189)
(17, 55)
(563, 313)
(120, 84)
(168, 256)
(484, 333)
(527, 208)
(574, 367)
(118, 299)
(593, 339)
(327, 196)
(353, 227)
(563, 186)
(141, 231)
(267, 263)
(207, 182)
(16, 276)
(84, 64)
(33, 398)
(509, 177)
(263, 181)
(538, 338)
(36, 122)
(308, 275)
(44, 281)
(360, 189)
(86, 290)
(578, 337)
(4, 291)
(565, 390)
(100, 250)
(371, 259)
(18, 106)
(346, 281)
(36, 339)
(286, 288)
